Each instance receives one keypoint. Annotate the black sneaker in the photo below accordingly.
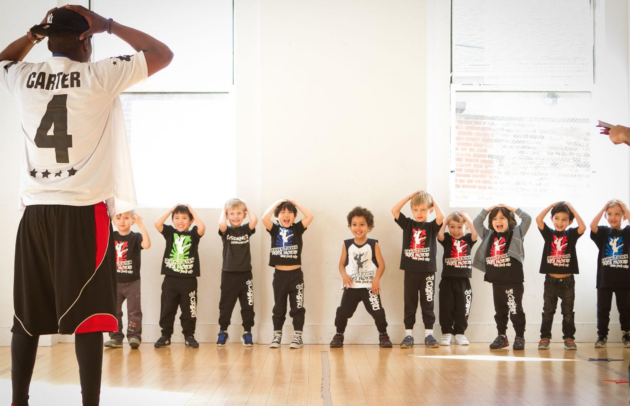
(222, 339)
(544, 344)
(191, 342)
(337, 341)
(519, 343)
(601, 342)
(499, 342)
(162, 342)
(384, 341)
(431, 342)
(625, 339)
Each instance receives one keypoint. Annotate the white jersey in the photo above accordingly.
(361, 264)
(75, 144)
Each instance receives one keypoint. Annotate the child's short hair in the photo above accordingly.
(613, 203)
(510, 216)
(422, 198)
(361, 212)
(454, 216)
(562, 208)
(131, 213)
(235, 204)
(182, 209)
(285, 205)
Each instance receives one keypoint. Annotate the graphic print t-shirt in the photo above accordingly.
(419, 244)
(128, 249)
(361, 264)
(181, 256)
(457, 256)
(236, 253)
(559, 254)
(286, 244)
(500, 266)
(613, 270)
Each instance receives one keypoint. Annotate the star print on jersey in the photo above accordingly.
(460, 255)
(123, 265)
(498, 258)
(58, 174)
(558, 256)
(615, 258)
(180, 260)
(72, 171)
(34, 173)
(284, 247)
(45, 173)
(417, 250)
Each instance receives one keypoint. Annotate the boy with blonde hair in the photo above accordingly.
(236, 276)
(613, 273)
(418, 261)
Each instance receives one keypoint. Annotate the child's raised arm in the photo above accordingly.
(598, 217)
(581, 225)
(376, 283)
(439, 214)
(308, 216)
(478, 222)
(201, 227)
(526, 219)
(253, 220)
(440, 235)
(146, 241)
(469, 222)
(540, 220)
(398, 207)
(159, 223)
(266, 219)
(223, 220)
(347, 281)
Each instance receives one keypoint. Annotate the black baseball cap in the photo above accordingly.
(62, 19)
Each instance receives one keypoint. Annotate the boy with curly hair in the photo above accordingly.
(361, 267)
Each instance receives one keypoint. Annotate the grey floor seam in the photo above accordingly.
(326, 380)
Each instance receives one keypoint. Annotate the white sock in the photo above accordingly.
(409, 332)
(277, 332)
(298, 333)
(428, 332)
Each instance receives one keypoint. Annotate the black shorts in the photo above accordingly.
(65, 271)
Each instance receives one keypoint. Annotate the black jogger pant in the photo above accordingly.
(508, 302)
(236, 286)
(179, 292)
(288, 284)
(455, 302)
(564, 289)
(604, 304)
(349, 302)
(422, 283)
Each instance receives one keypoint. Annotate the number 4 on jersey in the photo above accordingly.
(57, 115)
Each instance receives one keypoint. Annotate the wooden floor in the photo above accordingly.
(318, 375)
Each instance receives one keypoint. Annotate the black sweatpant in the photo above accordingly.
(288, 284)
(455, 302)
(422, 283)
(236, 286)
(604, 304)
(89, 352)
(349, 302)
(179, 292)
(508, 302)
(563, 289)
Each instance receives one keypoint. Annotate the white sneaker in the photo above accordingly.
(461, 339)
(277, 339)
(446, 339)
(297, 342)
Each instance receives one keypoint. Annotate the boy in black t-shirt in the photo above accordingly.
(180, 266)
(128, 246)
(286, 257)
(236, 276)
(418, 260)
(455, 289)
(613, 270)
(559, 263)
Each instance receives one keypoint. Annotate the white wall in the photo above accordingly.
(334, 103)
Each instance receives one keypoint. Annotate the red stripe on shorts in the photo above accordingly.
(98, 322)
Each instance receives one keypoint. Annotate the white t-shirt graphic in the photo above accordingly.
(361, 263)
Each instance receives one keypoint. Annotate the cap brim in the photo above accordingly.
(47, 29)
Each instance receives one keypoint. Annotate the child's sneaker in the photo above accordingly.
(276, 340)
(543, 344)
(407, 342)
(431, 342)
(625, 339)
(461, 339)
(222, 339)
(569, 344)
(191, 342)
(519, 343)
(384, 341)
(162, 342)
(134, 343)
(499, 342)
(601, 342)
(337, 341)
(113, 344)
(297, 342)
(247, 339)
(445, 340)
